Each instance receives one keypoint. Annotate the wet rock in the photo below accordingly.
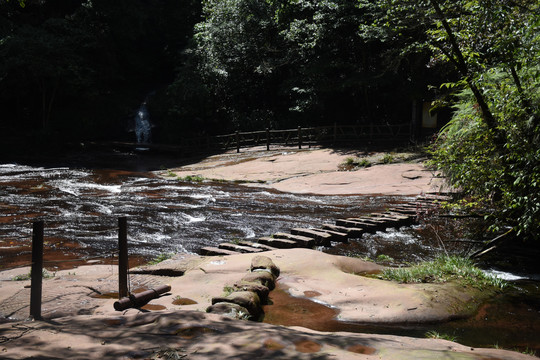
(231, 310)
(262, 277)
(261, 290)
(264, 262)
(247, 299)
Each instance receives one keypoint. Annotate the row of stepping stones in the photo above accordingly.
(247, 296)
(344, 229)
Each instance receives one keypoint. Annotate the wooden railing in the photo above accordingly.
(322, 135)
(336, 135)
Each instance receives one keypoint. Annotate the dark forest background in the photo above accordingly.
(77, 70)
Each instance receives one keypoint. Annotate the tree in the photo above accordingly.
(283, 63)
(80, 68)
(490, 148)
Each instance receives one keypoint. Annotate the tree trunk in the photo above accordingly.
(462, 67)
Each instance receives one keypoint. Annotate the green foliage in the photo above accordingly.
(432, 334)
(191, 178)
(388, 159)
(490, 147)
(160, 258)
(444, 269)
(228, 290)
(351, 163)
(384, 258)
(509, 182)
(45, 274)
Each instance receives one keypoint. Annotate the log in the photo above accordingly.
(140, 299)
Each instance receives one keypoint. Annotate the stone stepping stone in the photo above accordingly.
(365, 226)
(407, 210)
(302, 241)
(337, 236)
(376, 225)
(278, 243)
(239, 248)
(389, 221)
(321, 238)
(351, 232)
(214, 251)
(255, 245)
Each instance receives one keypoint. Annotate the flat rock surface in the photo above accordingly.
(167, 324)
(317, 171)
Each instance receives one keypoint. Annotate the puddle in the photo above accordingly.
(272, 344)
(307, 346)
(193, 332)
(183, 301)
(361, 349)
(153, 307)
(508, 321)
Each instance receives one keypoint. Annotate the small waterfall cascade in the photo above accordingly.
(143, 128)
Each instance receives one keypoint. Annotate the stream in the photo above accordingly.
(80, 206)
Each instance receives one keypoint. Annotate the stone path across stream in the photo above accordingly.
(326, 234)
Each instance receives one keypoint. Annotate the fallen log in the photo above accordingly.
(140, 299)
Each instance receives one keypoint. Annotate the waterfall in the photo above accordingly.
(143, 129)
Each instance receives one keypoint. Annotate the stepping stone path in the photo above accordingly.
(405, 214)
(244, 299)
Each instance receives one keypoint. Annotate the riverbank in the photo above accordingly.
(82, 323)
(318, 171)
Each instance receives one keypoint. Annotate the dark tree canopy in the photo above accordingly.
(79, 69)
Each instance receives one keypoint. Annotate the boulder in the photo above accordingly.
(231, 310)
(264, 262)
(259, 289)
(262, 277)
(247, 299)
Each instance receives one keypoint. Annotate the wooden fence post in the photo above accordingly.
(122, 258)
(299, 137)
(37, 270)
(267, 139)
(237, 142)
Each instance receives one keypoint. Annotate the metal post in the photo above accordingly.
(237, 142)
(267, 139)
(37, 270)
(299, 137)
(122, 258)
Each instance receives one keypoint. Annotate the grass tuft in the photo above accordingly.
(436, 335)
(160, 258)
(443, 269)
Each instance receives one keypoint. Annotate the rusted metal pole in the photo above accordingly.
(140, 299)
(122, 258)
(37, 270)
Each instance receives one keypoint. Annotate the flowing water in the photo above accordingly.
(80, 207)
